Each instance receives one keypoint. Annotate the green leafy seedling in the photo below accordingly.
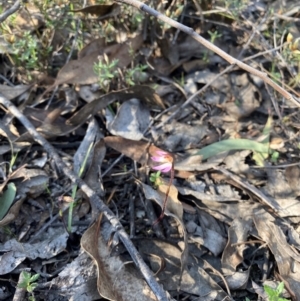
(106, 72)
(136, 74)
(29, 283)
(274, 294)
(213, 36)
(155, 178)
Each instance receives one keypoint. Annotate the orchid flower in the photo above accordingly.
(164, 158)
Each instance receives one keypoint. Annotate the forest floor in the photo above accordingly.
(138, 164)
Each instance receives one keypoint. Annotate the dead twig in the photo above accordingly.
(96, 203)
(10, 11)
(233, 61)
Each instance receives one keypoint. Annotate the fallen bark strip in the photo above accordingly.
(96, 203)
(233, 61)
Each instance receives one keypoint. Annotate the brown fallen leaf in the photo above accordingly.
(139, 151)
(195, 279)
(169, 50)
(94, 45)
(15, 91)
(207, 237)
(117, 280)
(49, 123)
(84, 151)
(292, 174)
(143, 93)
(245, 98)
(136, 150)
(12, 213)
(81, 71)
(173, 209)
(99, 10)
(233, 253)
(131, 120)
(92, 176)
(288, 261)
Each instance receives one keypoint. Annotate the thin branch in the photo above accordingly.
(96, 203)
(233, 61)
(10, 11)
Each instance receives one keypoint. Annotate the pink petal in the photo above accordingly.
(161, 152)
(158, 159)
(166, 167)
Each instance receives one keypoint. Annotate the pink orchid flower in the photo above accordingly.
(164, 158)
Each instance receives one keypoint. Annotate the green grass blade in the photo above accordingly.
(74, 189)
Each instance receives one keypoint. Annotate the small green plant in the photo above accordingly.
(106, 71)
(13, 160)
(26, 50)
(180, 81)
(274, 74)
(235, 7)
(136, 74)
(155, 178)
(213, 36)
(29, 283)
(274, 294)
(29, 53)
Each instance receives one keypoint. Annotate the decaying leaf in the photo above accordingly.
(209, 238)
(136, 150)
(15, 91)
(173, 209)
(92, 177)
(131, 120)
(92, 135)
(10, 260)
(143, 93)
(205, 196)
(117, 280)
(196, 278)
(46, 249)
(99, 10)
(233, 253)
(49, 123)
(292, 175)
(81, 71)
(177, 135)
(287, 259)
(169, 50)
(77, 281)
(12, 213)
